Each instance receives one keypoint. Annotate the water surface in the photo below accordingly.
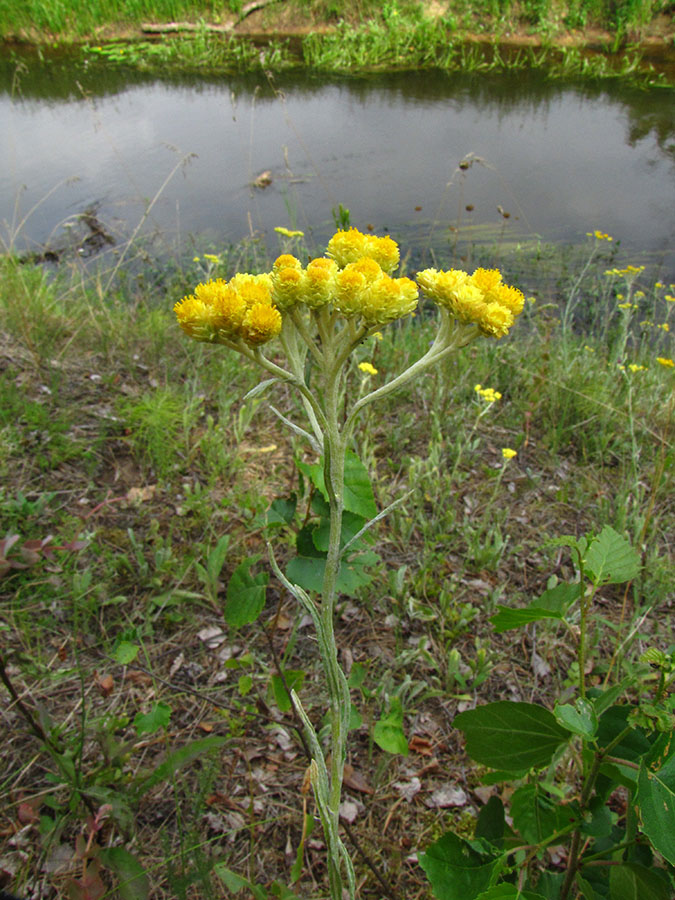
(546, 159)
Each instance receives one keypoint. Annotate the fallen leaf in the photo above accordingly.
(206, 726)
(539, 666)
(408, 789)
(106, 685)
(421, 745)
(142, 494)
(212, 636)
(446, 796)
(350, 809)
(355, 781)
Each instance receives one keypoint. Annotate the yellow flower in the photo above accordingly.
(625, 305)
(670, 298)
(387, 299)
(488, 394)
(319, 286)
(599, 235)
(288, 233)
(377, 335)
(368, 368)
(211, 257)
(261, 323)
(508, 453)
(664, 361)
(634, 367)
(480, 298)
(287, 286)
(664, 326)
(347, 247)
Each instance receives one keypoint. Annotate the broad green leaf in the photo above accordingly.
(610, 559)
(245, 684)
(459, 869)
(294, 679)
(355, 718)
(535, 815)
(508, 618)
(308, 572)
(179, 758)
(511, 736)
(491, 822)
(631, 881)
(314, 471)
(351, 525)
(559, 598)
(506, 891)
(358, 495)
(656, 801)
(133, 883)
(388, 732)
(579, 719)
(282, 510)
(245, 596)
(125, 652)
(157, 718)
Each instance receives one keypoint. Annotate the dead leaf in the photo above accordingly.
(350, 810)
(539, 666)
(212, 636)
(421, 745)
(446, 796)
(408, 789)
(355, 781)
(105, 685)
(141, 494)
(206, 726)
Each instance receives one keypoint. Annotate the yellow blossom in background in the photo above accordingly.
(488, 394)
(639, 295)
(211, 257)
(378, 335)
(508, 453)
(664, 361)
(664, 326)
(288, 233)
(590, 349)
(599, 235)
(368, 368)
(634, 367)
(669, 298)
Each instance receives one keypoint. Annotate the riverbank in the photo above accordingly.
(603, 26)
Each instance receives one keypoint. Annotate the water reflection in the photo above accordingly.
(559, 159)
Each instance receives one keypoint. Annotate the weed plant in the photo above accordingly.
(136, 482)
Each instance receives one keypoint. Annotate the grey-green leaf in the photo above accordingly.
(511, 736)
(580, 719)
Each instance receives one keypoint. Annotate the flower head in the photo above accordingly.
(665, 361)
(488, 394)
(367, 368)
(508, 453)
(347, 247)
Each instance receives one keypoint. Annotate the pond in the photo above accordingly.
(437, 159)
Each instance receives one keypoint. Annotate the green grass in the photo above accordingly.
(143, 449)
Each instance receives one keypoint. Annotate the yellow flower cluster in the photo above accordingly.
(509, 453)
(599, 235)
(481, 298)
(665, 361)
(221, 311)
(627, 272)
(488, 394)
(350, 246)
(361, 288)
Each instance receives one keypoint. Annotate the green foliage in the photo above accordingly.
(620, 745)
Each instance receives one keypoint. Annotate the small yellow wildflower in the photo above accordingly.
(665, 361)
(195, 259)
(378, 335)
(634, 367)
(639, 295)
(488, 394)
(367, 368)
(347, 247)
(599, 235)
(625, 305)
(508, 453)
(664, 326)
(288, 233)
(212, 258)
(670, 298)
(261, 323)
(590, 349)
(658, 285)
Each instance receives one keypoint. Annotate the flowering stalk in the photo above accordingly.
(320, 314)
